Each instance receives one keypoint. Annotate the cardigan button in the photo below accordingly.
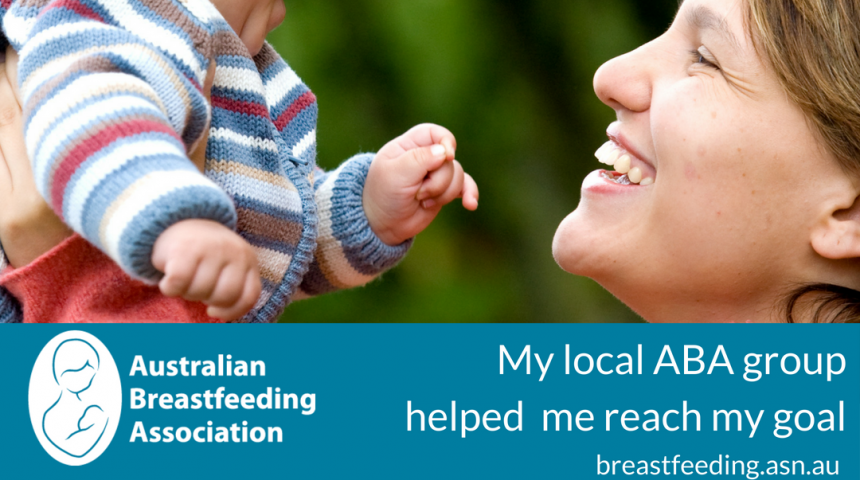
(296, 160)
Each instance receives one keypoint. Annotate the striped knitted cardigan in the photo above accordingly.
(112, 104)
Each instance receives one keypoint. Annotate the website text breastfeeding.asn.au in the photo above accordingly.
(722, 465)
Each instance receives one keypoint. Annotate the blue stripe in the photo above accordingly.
(10, 309)
(239, 95)
(315, 282)
(235, 61)
(259, 158)
(281, 213)
(265, 242)
(365, 252)
(250, 125)
(285, 103)
(273, 70)
(300, 126)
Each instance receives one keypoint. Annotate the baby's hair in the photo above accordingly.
(828, 304)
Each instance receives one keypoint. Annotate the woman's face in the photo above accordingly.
(739, 178)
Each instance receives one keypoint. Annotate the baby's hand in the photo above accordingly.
(411, 179)
(205, 261)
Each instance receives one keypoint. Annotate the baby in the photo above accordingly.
(113, 98)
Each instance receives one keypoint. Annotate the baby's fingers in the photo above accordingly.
(229, 289)
(437, 182)
(178, 275)
(416, 163)
(451, 192)
(470, 193)
(250, 294)
(206, 278)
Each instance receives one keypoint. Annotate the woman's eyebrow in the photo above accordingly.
(704, 18)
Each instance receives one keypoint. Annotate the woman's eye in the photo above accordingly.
(700, 59)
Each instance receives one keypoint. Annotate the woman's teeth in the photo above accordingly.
(622, 165)
(611, 154)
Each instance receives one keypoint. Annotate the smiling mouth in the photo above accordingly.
(625, 172)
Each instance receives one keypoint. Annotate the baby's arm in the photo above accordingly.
(348, 253)
(352, 249)
(108, 125)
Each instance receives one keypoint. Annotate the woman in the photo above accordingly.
(73, 424)
(745, 116)
(741, 134)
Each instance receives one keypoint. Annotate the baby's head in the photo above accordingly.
(252, 20)
(75, 364)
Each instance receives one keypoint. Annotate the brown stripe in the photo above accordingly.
(179, 17)
(227, 43)
(273, 265)
(267, 226)
(100, 64)
(226, 166)
(35, 3)
(96, 63)
(266, 57)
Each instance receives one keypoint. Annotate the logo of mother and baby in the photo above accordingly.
(75, 398)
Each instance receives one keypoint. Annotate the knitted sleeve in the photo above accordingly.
(10, 309)
(112, 101)
(348, 253)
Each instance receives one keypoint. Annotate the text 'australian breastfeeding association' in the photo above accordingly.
(225, 402)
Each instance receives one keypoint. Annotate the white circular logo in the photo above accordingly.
(75, 398)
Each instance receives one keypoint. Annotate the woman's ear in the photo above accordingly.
(837, 237)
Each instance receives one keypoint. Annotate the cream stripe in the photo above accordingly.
(239, 79)
(202, 9)
(235, 137)
(302, 147)
(226, 167)
(62, 30)
(278, 87)
(260, 191)
(273, 265)
(135, 199)
(330, 256)
(18, 28)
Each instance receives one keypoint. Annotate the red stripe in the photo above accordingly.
(237, 106)
(77, 7)
(289, 114)
(5, 3)
(69, 165)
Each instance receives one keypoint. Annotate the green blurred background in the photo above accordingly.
(512, 79)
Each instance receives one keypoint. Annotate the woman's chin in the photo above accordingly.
(574, 247)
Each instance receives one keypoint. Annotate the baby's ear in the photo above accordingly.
(837, 236)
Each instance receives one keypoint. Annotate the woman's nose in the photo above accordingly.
(624, 83)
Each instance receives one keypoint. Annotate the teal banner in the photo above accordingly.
(429, 401)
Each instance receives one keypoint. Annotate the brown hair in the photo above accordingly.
(813, 47)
